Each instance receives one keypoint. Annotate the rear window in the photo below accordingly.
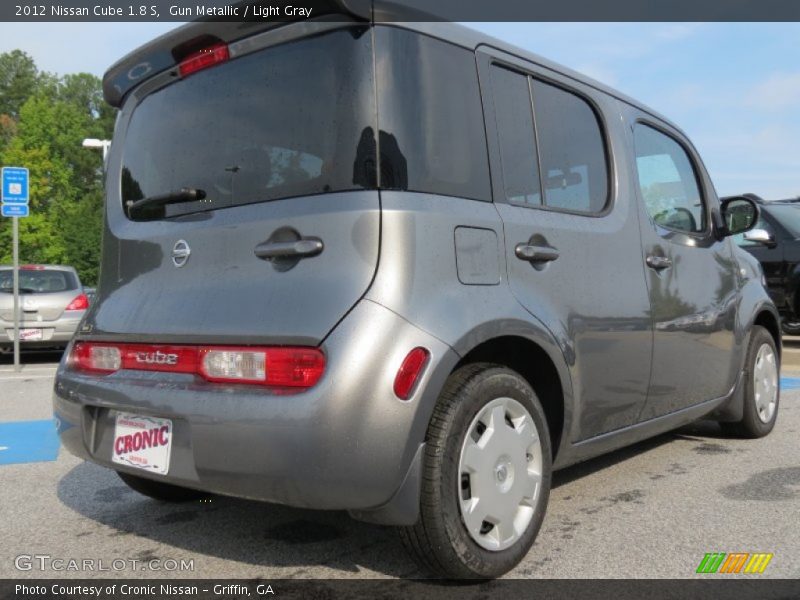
(290, 120)
(39, 281)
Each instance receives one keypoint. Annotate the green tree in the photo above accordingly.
(43, 120)
(19, 79)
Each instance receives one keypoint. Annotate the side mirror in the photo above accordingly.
(739, 214)
(760, 236)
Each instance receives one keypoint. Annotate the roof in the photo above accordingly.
(159, 54)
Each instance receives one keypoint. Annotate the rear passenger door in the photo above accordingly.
(571, 232)
(691, 274)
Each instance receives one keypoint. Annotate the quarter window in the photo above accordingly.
(667, 182)
(432, 138)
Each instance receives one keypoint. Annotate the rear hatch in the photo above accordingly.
(270, 152)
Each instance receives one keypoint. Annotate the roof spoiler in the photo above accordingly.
(166, 51)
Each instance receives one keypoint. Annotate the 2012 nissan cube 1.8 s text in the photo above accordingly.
(403, 270)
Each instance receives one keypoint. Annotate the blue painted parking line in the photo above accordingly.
(790, 383)
(28, 441)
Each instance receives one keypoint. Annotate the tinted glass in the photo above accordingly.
(514, 118)
(572, 150)
(290, 120)
(40, 281)
(668, 182)
(787, 215)
(432, 134)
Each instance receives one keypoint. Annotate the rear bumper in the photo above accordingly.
(56, 333)
(347, 443)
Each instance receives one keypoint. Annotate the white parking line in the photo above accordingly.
(22, 377)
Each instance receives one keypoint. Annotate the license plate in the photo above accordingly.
(30, 334)
(142, 442)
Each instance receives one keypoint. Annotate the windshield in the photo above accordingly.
(787, 215)
(290, 120)
(39, 281)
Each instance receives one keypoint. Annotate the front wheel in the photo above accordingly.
(790, 327)
(486, 477)
(762, 386)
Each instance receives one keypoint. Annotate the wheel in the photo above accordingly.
(159, 490)
(762, 387)
(486, 478)
(790, 327)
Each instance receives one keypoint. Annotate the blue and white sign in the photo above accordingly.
(14, 210)
(15, 185)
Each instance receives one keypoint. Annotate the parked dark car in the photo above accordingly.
(405, 271)
(775, 242)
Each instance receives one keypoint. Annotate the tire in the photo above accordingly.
(759, 418)
(790, 327)
(158, 490)
(441, 541)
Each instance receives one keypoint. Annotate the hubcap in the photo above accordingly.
(765, 383)
(500, 473)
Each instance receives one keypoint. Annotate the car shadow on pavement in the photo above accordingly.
(266, 540)
(697, 431)
(584, 469)
(256, 539)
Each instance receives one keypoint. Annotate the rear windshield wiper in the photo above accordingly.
(176, 197)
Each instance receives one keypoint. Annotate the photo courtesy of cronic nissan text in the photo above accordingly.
(399, 299)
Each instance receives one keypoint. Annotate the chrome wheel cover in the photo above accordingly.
(765, 383)
(500, 474)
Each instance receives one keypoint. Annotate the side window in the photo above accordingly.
(514, 118)
(572, 151)
(668, 182)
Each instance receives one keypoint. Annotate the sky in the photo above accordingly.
(734, 88)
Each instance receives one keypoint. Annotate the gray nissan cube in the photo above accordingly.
(403, 270)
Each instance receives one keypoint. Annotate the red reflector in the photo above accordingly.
(81, 302)
(409, 372)
(277, 367)
(203, 59)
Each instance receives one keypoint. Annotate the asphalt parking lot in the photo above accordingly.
(652, 510)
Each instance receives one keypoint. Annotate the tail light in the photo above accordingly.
(96, 358)
(276, 367)
(81, 302)
(408, 374)
(203, 59)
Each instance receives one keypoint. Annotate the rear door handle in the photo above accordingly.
(303, 248)
(535, 254)
(658, 262)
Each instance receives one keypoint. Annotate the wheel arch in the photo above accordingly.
(536, 365)
(767, 319)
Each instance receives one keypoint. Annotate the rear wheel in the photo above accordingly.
(762, 387)
(159, 490)
(486, 476)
